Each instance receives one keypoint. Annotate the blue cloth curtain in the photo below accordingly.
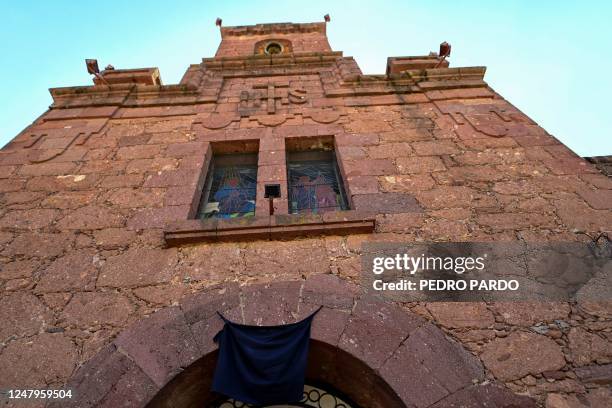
(262, 365)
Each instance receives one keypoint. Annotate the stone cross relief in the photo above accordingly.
(264, 103)
(250, 102)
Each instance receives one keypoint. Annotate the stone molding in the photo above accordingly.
(276, 28)
(284, 226)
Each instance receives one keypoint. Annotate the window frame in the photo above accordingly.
(226, 159)
(318, 155)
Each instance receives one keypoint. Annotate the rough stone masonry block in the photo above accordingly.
(520, 354)
(138, 267)
(266, 305)
(386, 203)
(22, 314)
(133, 390)
(205, 304)
(429, 366)
(375, 340)
(27, 362)
(489, 395)
(74, 271)
(162, 345)
(330, 291)
(95, 378)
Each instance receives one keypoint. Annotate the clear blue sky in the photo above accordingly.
(549, 58)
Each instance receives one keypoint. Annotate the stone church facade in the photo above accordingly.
(131, 212)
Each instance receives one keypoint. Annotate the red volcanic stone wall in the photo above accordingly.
(241, 41)
(87, 192)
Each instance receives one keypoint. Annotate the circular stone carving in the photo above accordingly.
(273, 48)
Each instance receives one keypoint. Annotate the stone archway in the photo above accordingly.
(374, 352)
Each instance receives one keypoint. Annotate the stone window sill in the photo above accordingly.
(275, 227)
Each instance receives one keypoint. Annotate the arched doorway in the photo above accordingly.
(334, 379)
(364, 352)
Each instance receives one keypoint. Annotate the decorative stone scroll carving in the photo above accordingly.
(217, 120)
(50, 139)
(490, 119)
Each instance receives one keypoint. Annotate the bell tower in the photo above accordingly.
(273, 39)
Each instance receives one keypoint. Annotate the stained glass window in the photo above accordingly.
(230, 188)
(315, 185)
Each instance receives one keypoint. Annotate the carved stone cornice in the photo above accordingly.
(340, 77)
(127, 95)
(277, 61)
(277, 28)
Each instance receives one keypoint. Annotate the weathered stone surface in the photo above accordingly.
(460, 314)
(114, 238)
(135, 198)
(271, 260)
(265, 305)
(563, 401)
(20, 197)
(577, 214)
(406, 183)
(69, 199)
(28, 219)
(329, 325)
(5, 237)
(213, 263)
(22, 314)
(588, 347)
(375, 340)
(90, 217)
(151, 165)
(521, 354)
(207, 303)
(72, 272)
(486, 395)
(447, 197)
(205, 330)
(148, 218)
(138, 267)
(95, 308)
(432, 148)
(137, 152)
(386, 203)
(164, 294)
(429, 367)
(330, 291)
(93, 380)
(123, 180)
(530, 313)
(160, 345)
(134, 389)
(18, 269)
(515, 220)
(386, 151)
(39, 245)
(369, 167)
(401, 223)
(28, 363)
(599, 398)
(596, 374)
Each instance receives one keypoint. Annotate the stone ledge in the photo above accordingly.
(276, 227)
